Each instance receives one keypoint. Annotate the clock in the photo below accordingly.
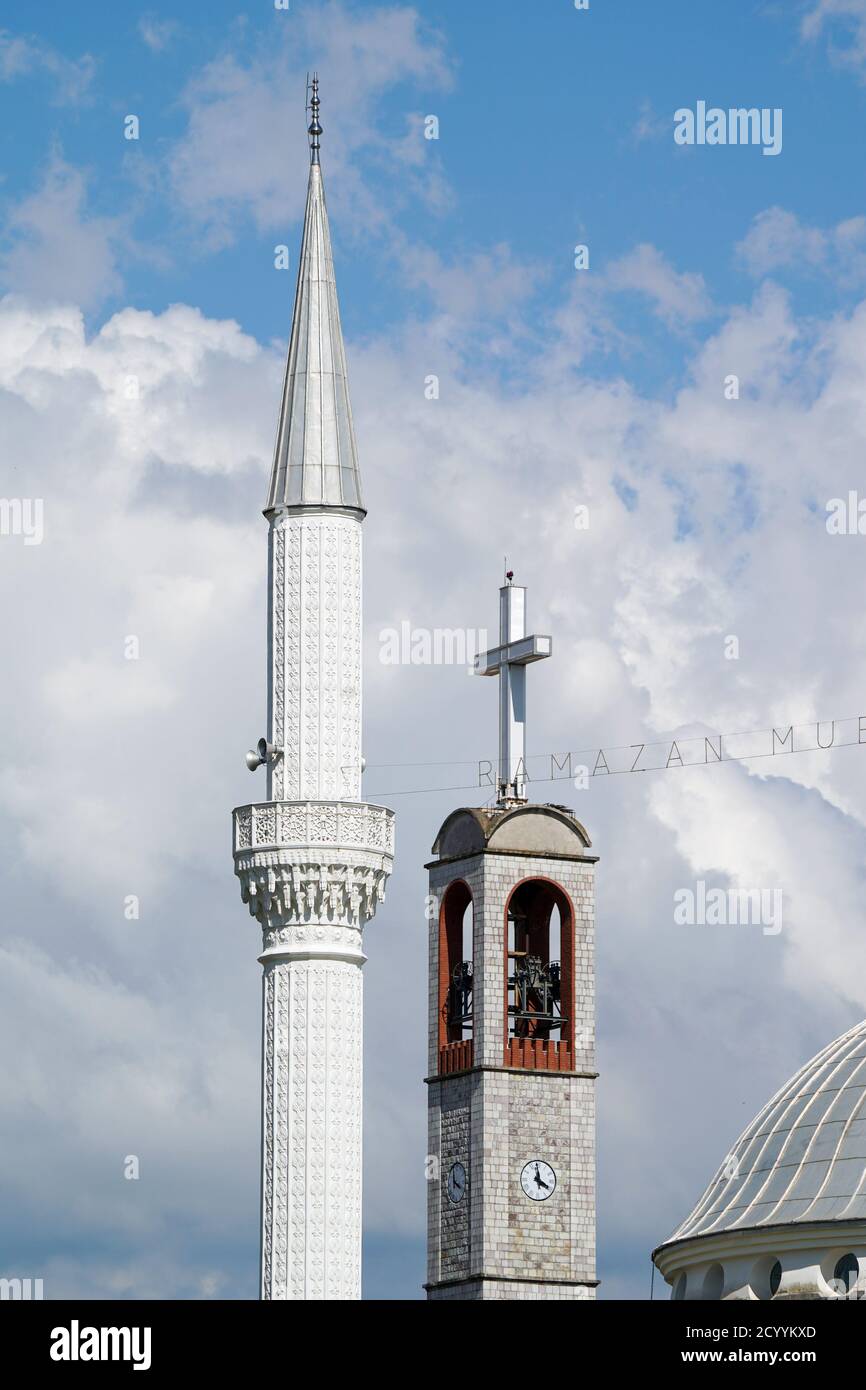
(538, 1180)
(456, 1185)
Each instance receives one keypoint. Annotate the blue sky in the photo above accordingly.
(455, 257)
(539, 109)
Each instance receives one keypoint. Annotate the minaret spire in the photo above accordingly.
(316, 457)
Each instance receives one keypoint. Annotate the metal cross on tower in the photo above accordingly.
(509, 661)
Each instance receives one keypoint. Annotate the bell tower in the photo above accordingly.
(511, 1062)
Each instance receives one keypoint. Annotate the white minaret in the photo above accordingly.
(313, 858)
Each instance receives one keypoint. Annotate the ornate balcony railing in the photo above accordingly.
(300, 824)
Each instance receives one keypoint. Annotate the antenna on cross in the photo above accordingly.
(509, 661)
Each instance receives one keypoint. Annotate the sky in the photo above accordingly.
(143, 324)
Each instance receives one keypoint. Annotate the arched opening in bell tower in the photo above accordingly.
(456, 978)
(539, 977)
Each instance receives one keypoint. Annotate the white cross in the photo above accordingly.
(509, 661)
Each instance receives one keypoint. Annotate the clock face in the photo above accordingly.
(538, 1180)
(456, 1182)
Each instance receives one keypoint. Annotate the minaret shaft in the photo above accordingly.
(314, 708)
(311, 1200)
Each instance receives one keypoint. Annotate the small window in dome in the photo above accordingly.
(766, 1277)
(846, 1272)
(714, 1283)
(680, 1286)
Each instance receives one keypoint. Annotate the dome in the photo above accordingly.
(785, 1215)
(803, 1159)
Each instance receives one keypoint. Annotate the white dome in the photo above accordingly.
(803, 1159)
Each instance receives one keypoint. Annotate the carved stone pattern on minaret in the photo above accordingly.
(317, 1109)
(332, 661)
(350, 725)
(291, 675)
(314, 823)
(316, 657)
(334, 1153)
(266, 825)
(280, 735)
(313, 1117)
(345, 1045)
(337, 894)
(267, 1186)
(274, 1194)
(296, 1127)
(310, 684)
(281, 1148)
(243, 829)
(310, 938)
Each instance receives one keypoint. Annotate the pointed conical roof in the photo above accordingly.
(316, 458)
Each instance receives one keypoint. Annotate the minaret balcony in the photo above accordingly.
(320, 863)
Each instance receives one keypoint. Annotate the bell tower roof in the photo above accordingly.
(316, 457)
(536, 829)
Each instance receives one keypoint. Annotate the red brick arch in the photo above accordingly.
(455, 1051)
(539, 895)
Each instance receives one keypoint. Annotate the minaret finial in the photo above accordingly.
(314, 130)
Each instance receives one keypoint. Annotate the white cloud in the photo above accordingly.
(484, 285)
(649, 125)
(779, 240)
(21, 57)
(844, 18)
(55, 249)
(679, 298)
(109, 489)
(157, 33)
